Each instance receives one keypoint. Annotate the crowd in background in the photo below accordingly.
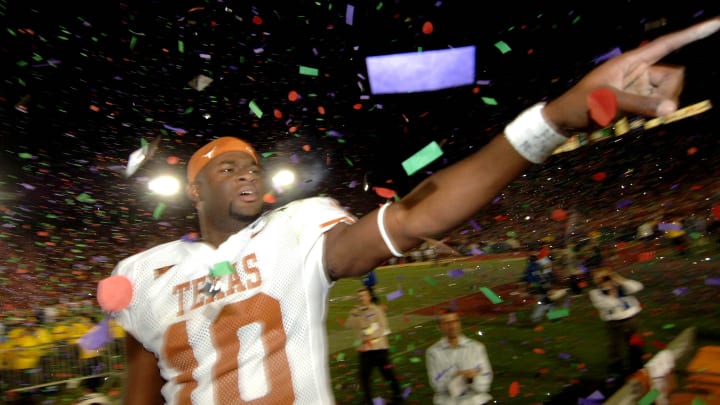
(48, 294)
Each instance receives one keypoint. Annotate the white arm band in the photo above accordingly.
(531, 136)
(383, 232)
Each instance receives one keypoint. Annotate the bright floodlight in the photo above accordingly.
(283, 178)
(164, 185)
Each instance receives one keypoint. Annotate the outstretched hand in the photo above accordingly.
(638, 83)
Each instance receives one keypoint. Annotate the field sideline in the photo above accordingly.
(560, 361)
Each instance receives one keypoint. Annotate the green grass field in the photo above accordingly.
(558, 361)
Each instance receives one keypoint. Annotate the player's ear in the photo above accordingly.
(192, 190)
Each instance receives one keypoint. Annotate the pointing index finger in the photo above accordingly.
(664, 45)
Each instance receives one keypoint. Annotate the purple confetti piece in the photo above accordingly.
(476, 252)
(565, 356)
(96, 337)
(623, 204)
(602, 58)
(475, 225)
(394, 295)
(175, 129)
(668, 226)
(353, 184)
(456, 273)
(681, 291)
(712, 281)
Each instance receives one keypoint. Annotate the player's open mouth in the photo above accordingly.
(248, 195)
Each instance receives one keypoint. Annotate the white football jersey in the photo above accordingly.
(261, 338)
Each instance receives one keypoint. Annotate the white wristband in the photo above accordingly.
(383, 232)
(531, 136)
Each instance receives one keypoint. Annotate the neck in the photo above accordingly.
(216, 234)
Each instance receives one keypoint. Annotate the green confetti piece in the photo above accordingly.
(189, 110)
(222, 269)
(308, 71)
(415, 360)
(25, 155)
(133, 42)
(254, 107)
(431, 281)
(341, 356)
(181, 47)
(502, 47)
(411, 291)
(489, 101)
(268, 154)
(157, 213)
(698, 401)
(85, 198)
(422, 158)
(349, 162)
(558, 313)
(649, 398)
(491, 295)
(668, 326)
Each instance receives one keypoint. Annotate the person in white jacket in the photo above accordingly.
(618, 307)
(458, 367)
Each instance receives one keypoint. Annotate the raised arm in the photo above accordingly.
(449, 197)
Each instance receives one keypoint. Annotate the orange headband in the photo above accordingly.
(213, 149)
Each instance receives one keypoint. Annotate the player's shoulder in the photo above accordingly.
(174, 249)
(312, 208)
(310, 203)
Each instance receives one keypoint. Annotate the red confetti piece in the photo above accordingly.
(602, 104)
(636, 340)
(114, 293)
(257, 20)
(538, 350)
(269, 198)
(384, 192)
(716, 211)
(427, 28)
(599, 176)
(292, 95)
(306, 148)
(277, 113)
(646, 256)
(172, 160)
(514, 389)
(559, 215)
(693, 150)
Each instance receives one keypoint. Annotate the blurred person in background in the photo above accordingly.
(371, 328)
(458, 367)
(618, 307)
